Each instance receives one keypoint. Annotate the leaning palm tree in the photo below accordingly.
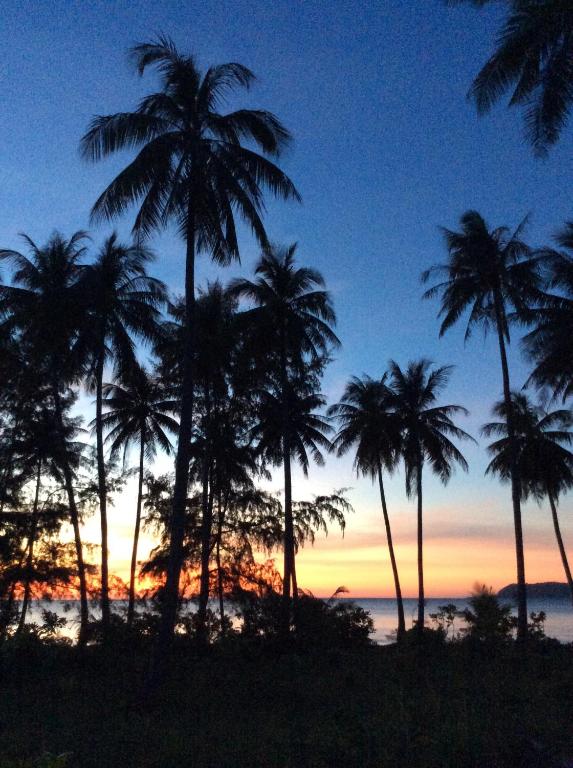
(545, 461)
(549, 344)
(533, 62)
(489, 274)
(368, 425)
(426, 429)
(291, 321)
(193, 169)
(137, 413)
(122, 304)
(46, 285)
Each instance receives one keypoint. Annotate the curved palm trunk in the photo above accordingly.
(133, 567)
(102, 490)
(421, 596)
(7, 612)
(177, 528)
(30, 557)
(75, 520)
(399, 601)
(560, 544)
(515, 480)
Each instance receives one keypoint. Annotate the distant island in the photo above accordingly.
(544, 590)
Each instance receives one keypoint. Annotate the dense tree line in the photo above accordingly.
(228, 378)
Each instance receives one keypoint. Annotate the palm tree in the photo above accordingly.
(368, 424)
(549, 343)
(122, 302)
(291, 320)
(488, 274)
(426, 429)
(532, 61)
(46, 284)
(192, 169)
(545, 462)
(137, 413)
(44, 445)
(305, 434)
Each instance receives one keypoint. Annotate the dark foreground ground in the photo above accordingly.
(452, 706)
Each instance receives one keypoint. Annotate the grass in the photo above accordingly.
(451, 706)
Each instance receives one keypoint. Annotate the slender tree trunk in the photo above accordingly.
(75, 520)
(206, 529)
(560, 544)
(30, 557)
(177, 527)
(288, 540)
(515, 479)
(102, 490)
(131, 603)
(7, 612)
(399, 601)
(421, 596)
(220, 590)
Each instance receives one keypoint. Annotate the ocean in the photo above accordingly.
(559, 612)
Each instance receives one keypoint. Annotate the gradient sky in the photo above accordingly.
(386, 149)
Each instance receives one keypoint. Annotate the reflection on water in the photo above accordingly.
(559, 623)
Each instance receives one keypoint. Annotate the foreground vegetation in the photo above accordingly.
(454, 704)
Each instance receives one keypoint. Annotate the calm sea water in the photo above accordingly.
(559, 623)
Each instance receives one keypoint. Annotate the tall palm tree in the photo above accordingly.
(488, 275)
(137, 413)
(46, 285)
(549, 344)
(194, 169)
(426, 429)
(532, 60)
(545, 461)
(122, 303)
(291, 319)
(368, 424)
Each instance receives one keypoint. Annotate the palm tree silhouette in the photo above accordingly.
(368, 425)
(545, 462)
(304, 432)
(46, 284)
(122, 302)
(137, 413)
(194, 169)
(489, 273)
(549, 343)
(533, 61)
(426, 429)
(291, 321)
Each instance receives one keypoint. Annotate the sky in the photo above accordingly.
(386, 150)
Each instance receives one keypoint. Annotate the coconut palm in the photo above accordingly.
(368, 425)
(545, 461)
(300, 435)
(137, 413)
(532, 61)
(44, 445)
(489, 274)
(426, 429)
(46, 284)
(122, 304)
(549, 344)
(291, 318)
(194, 169)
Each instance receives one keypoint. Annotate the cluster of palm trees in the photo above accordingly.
(236, 371)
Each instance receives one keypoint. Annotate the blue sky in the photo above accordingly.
(386, 148)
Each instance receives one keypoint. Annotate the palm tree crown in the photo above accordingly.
(192, 157)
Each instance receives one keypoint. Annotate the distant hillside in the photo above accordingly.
(545, 590)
